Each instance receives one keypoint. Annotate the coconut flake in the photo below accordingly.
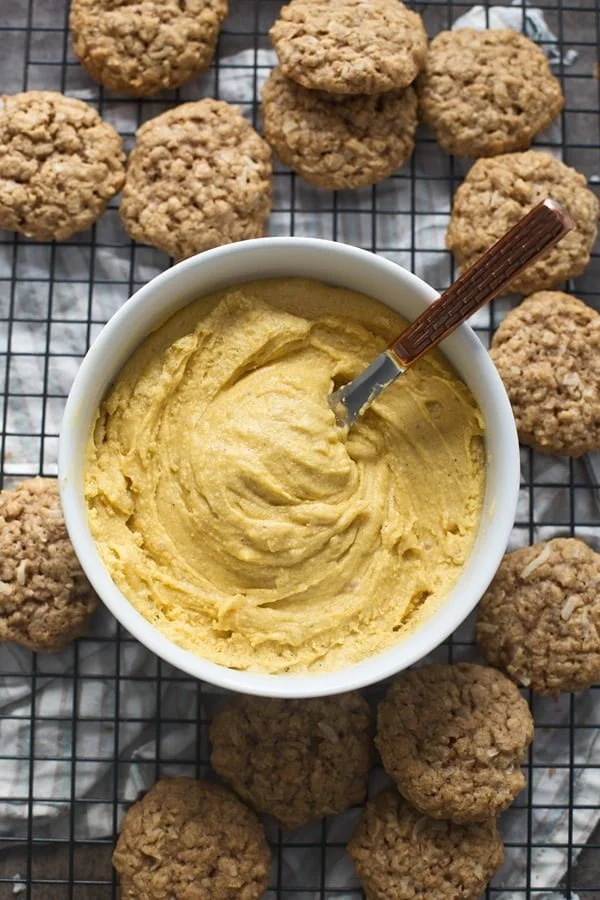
(535, 563)
(329, 732)
(493, 751)
(5, 589)
(589, 629)
(524, 680)
(22, 572)
(569, 607)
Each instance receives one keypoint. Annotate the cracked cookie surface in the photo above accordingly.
(45, 598)
(298, 760)
(337, 142)
(539, 620)
(139, 47)
(349, 46)
(487, 92)
(199, 176)
(547, 351)
(60, 164)
(453, 738)
(191, 839)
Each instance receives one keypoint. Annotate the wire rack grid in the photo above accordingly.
(81, 735)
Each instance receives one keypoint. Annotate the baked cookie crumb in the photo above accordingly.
(298, 760)
(547, 351)
(144, 46)
(45, 599)
(349, 46)
(539, 620)
(60, 164)
(487, 92)
(337, 142)
(453, 738)
(199, 176)
(191, 839)
(399, 853)
(499, 191)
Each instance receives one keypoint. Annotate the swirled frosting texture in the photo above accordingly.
(233, 513)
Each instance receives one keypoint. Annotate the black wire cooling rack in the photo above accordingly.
(81, 734)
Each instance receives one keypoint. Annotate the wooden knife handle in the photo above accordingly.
(532, 236)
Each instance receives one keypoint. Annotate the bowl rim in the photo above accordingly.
(414, 646)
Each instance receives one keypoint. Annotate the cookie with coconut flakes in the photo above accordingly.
(487, 92)
(144, 46)
(400, 854)
(539, 620)
(335, 142)
(453, 738)
(499, 190)
(349, 46)
(60, 165)
(547, 352)
(298, 760)
(191, 840)
(45, 598)
(198, 177)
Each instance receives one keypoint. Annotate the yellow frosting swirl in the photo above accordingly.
(237, 517)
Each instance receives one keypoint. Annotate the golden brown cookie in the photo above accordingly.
(298, 760)
(339, 142)
(540, 617)
(399, 854)
(199, 176)
(487, 92)
(497, 192)
(45, 599)
(453, 739)
(144, 46)
(349, 46)
(191, 839)
(60, 164)
(547, 352)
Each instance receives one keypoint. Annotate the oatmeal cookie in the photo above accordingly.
(399, 853)
(497, 192)
(139, 47)
(60, 164)
(453, 739)
(487, 92)
(540, 617)
(547, 352)
(339, 142)
(199, 176)
(349, 46)
(298, 760)
(191, 839)
(45, 599)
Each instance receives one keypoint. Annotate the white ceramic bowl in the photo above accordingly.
(337, 264)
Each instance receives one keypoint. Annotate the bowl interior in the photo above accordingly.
(336, 264)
